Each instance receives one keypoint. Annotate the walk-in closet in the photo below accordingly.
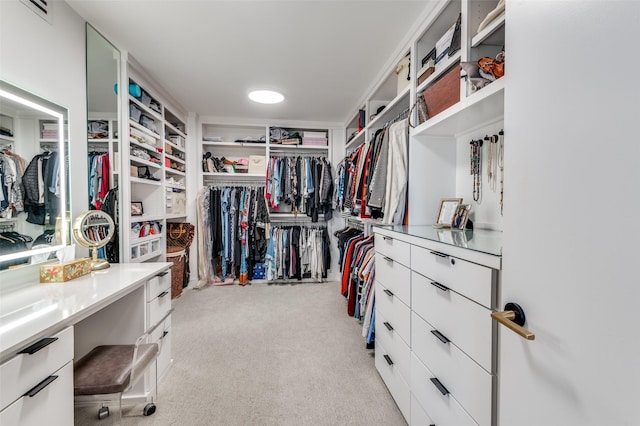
(318, 212)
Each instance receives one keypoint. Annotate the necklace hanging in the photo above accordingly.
(476, 168)
(492, 161)
(500, 162)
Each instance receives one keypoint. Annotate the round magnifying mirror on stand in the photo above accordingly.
(94, 229)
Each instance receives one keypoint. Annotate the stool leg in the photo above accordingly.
(120, 409)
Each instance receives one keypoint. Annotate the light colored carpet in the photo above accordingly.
(266, 355)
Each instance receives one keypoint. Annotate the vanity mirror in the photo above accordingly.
(33, 199)
(94, 229)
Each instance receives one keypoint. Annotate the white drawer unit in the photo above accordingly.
(158, 285)
(159, 307)
(472, 280)
(162, 334)
(393, 248)
(50, 402)
(396, 351)
(392, 378)
(433, 394)
(469, 383)
(397, 315)
(452, 342)
(394, 276)
(467, 324)
(34, 364)
(37, 383)
(158, 297)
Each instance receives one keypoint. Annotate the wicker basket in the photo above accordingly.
(177, 256)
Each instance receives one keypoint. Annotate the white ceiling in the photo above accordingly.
(322, 55)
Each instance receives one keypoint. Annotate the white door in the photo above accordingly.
(571, 251)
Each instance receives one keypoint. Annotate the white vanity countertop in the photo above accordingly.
(33, 311)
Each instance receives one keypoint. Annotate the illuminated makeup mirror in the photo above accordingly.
(33, 152)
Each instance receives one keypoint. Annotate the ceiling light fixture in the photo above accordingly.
(266, 96)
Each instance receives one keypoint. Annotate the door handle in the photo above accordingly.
(513, 318)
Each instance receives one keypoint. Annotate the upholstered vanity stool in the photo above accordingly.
(108, 371)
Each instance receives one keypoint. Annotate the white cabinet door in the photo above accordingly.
(570, 255)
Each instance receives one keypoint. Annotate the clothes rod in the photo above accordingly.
(236, 184)
(283, 153)
(401, 116)
(311, 225)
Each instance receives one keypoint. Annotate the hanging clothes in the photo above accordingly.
(300, 185)
(298, 252)
(109, 205)
(358, 277)
(99, 178)
(42, 188)
(233, 226)
(397, 166)
(373, 178)
(12, 168)
(13, 242)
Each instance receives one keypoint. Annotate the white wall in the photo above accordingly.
(48, 59)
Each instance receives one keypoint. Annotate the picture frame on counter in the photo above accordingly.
(446, 211)
(461, 216)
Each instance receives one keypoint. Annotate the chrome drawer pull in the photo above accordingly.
(439, 385)
(40, 344)
(388, 359)
(389, 292)
(389, 326)
(388, 259)
(384, 237)
(164, 293)
(37, 388)
(440, 336)
(439, 286)
(437, 253)
(162, 274)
